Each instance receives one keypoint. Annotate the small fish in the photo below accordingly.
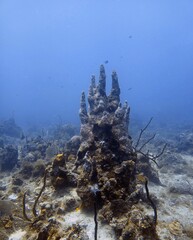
(106, 61)
(130, 36)
(129, 89)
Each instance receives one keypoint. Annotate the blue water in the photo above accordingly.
(50, 49)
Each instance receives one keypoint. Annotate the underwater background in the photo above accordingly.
(50, 49)
(96, 134)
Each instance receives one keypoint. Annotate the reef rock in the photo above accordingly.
(8, 157)
(9, 128)
(62, 176)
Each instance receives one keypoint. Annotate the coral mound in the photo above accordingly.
(106, 161)
(105, 157)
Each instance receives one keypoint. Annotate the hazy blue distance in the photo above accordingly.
(50, 49)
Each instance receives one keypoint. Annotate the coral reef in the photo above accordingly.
(106, 162)
(95, 183)
(105, 158)
(65, 131)
(8, 157)
(34, 148)
(9, 128)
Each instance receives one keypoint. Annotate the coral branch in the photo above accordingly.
(91, 93)
(147, 155)
(151, 138)
(102, 81)
(142, 131)
(163, 149)
(83, 112)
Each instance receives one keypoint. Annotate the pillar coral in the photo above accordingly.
(106, 162)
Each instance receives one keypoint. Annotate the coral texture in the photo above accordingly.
(101, 163)
(105, 155)
(106, 161)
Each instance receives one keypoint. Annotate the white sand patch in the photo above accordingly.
(87, 222)
(17, 235)
(173, 206)
(13, 196)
